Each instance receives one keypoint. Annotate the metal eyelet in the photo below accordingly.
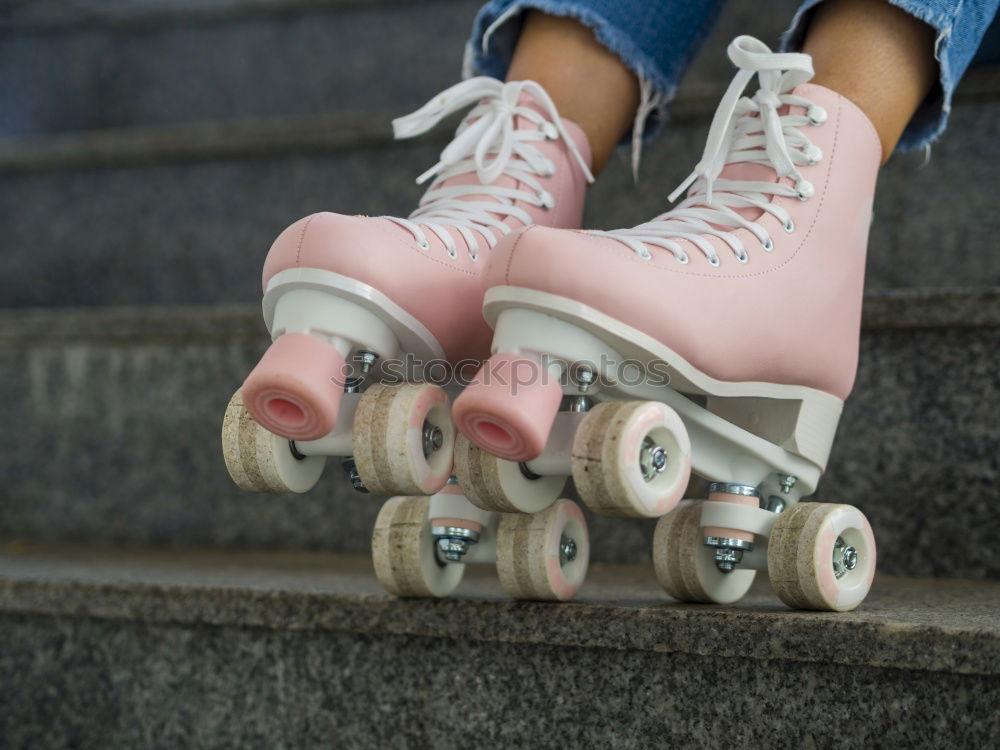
(789, 226)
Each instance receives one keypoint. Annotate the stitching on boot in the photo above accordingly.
(302, 237)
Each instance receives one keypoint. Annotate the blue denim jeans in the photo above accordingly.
(657, 40)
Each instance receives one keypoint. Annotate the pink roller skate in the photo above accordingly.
(719, 338)
(353, 302)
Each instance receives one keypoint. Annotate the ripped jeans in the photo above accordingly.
(657, 40)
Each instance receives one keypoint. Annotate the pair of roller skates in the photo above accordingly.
(719, 338)
(360, 308)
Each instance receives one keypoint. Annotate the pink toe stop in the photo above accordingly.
(295, 389)
(509, 407)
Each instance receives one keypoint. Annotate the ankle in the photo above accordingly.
(878, 56)
(595, 90)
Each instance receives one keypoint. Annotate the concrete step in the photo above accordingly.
(127, 64)
(111, 648)
(183, 215)
(79, 64)
(114, 418)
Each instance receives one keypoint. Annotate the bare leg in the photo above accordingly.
(876, 55)
(589, 84)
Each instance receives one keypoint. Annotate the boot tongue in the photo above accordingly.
(753, 171)
(550, 149)
(748, 172)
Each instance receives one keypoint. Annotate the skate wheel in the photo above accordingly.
(509, 407)
(809, 558)
(631, 458)
(406, 563)
(403, 439)
(686, 568)
(295, 389)
(496, 484)
(543, 556)
(260, 461)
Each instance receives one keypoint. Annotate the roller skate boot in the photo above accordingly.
(720, 338)
(359, 307)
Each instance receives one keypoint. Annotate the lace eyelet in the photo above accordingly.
(743, 257)
(816, 114)
(645, 254)
(768, 245)
(546, 201)
(683, 259)
(714, 261)
(452, 253)
(474, 256)
(814, 154)
(550, 131)
(789, 226)
(423, 244)
(805, 190)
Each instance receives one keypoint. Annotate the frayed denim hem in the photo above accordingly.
(492, 46)
(931, 118)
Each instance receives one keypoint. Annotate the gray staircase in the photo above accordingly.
(178, 204)
(175, 226)
(149, 153)
(97, 64)
(153, 649)
(120, 413)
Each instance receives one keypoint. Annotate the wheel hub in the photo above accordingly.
(433, 438)
(845, 558)
(652, 459)
(728, 551)
(567, 550)
(453, 542)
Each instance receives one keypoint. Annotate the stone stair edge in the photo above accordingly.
(622, 609)
(31, 326)
(272, 136)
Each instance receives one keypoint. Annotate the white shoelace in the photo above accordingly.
(743, 130)
(487, 129)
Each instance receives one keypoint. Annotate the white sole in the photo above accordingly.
(352, 315)
(789, 428)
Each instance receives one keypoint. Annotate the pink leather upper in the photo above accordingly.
(791, 316)
(444, 294)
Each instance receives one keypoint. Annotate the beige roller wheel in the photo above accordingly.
(260, 461)
(631, 458)
(686, 568)
(403, 439)
(543, 556)
(821, 556)
(496, 484)
(406, 563)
